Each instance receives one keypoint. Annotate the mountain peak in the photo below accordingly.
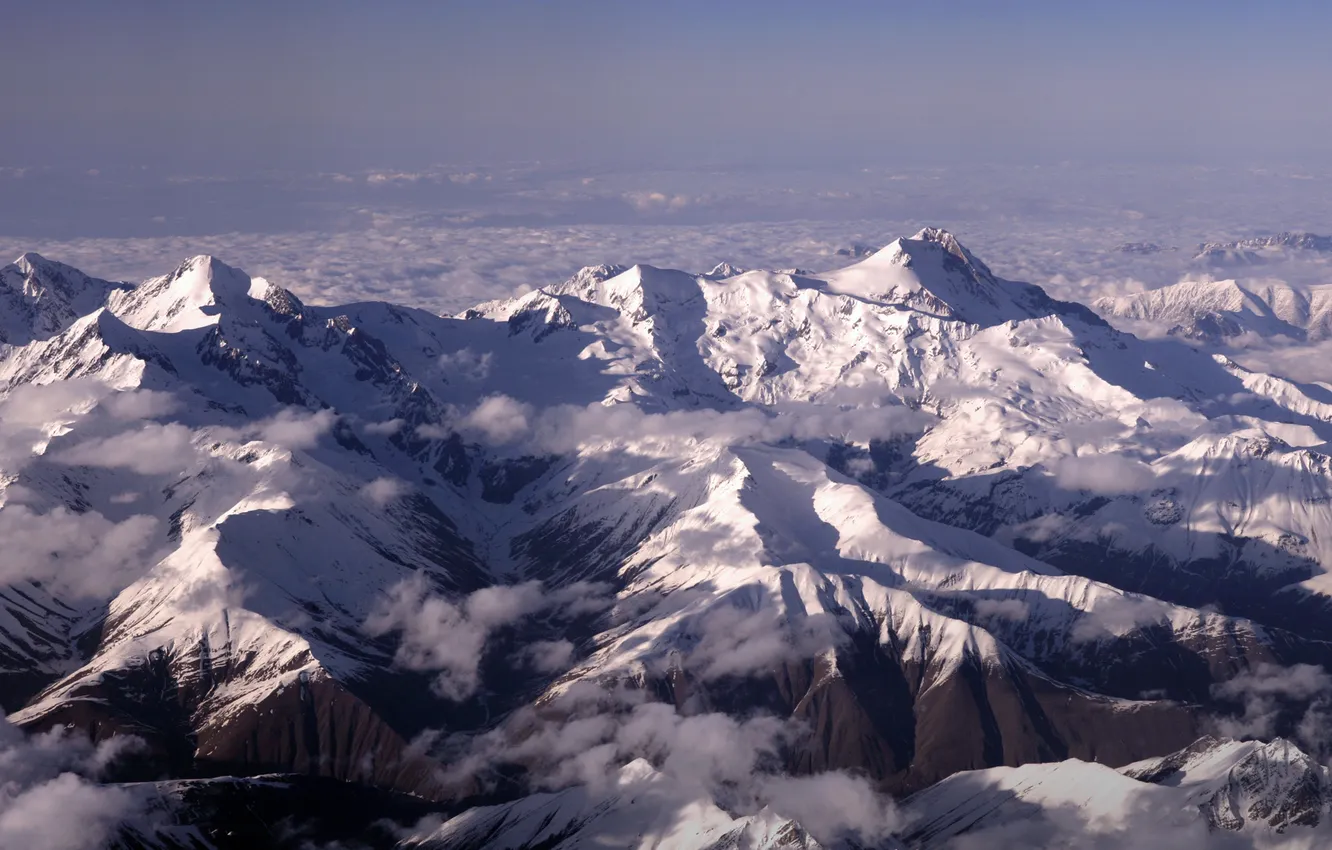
(930, 246)
(961, 259)
(724, 270)
(40, 297)
(933, 272)
(936, 234)
(633, 290)
(210, 268)
(34, 266)
(644, 285)
(30, 260)
(190, 296)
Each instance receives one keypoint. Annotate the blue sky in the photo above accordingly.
(248, 86)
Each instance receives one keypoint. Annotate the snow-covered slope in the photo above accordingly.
(930, 519)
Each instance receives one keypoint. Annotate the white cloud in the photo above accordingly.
(1003, 609)
(140, 404)
(64, 813)
(449, 637)
(1298, 681)
(1042, 529)
(1114, 614)
(384, 490)
(1311, 362)
(584, 734)
(448, 268)
(447, 257)
(32, 414)
(383, 178)
(384, 429)
(833, 805)
(1264, 691)
(466, 365)
(49, 799)
(730, 640)
(297, 429)
(1104, 474)
(657, 201)
(500, 420)
(33, 405)
(705, 750)
(83, 555)
(550, 656)
(153, 449)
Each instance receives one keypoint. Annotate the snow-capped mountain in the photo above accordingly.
(1261, 249)
(1198, 797)
(1219, 311)
(39, 298)
(919, 519)
(1144, 248)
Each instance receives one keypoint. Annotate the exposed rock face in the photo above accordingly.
(978, 715)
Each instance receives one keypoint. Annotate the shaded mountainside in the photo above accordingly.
(927, 519)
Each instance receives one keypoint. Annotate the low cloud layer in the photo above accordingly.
(384, 490)
(1103, 474)
(49, 798)
(733, 640)
(100, 549)
(583, 735)
(449, 237)
(31, 414)
(501, 421)
(76, 555)
(152, 449)
(1269, 695)
(1117, 614)
(449, 637)
(84, 422)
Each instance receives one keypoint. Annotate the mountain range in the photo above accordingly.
(898, 554)
(1261, 249)
(1229, 311)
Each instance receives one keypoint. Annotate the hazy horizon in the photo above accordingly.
(248, 87)
(439, 154)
